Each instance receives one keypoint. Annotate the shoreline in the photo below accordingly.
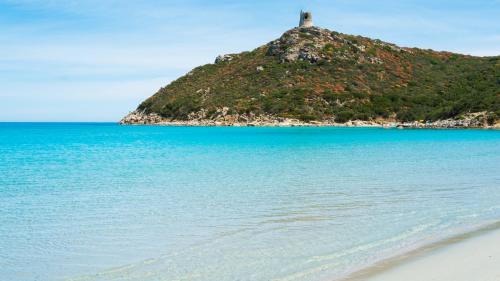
(453, 258)
(309, 125)
(470, 121)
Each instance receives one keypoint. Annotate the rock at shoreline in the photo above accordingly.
(473, 120)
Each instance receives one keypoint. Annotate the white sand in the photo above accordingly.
(473, 259)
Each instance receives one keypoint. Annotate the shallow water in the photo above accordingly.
(106, 202)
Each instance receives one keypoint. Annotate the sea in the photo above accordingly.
(100, 201)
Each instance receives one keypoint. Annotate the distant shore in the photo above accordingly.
(471, 256)
(473, 120)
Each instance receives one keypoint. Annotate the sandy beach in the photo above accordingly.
(474, 256)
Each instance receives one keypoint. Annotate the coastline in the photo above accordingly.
(469, 121)
(463, 257)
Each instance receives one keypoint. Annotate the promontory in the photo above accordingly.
(312, 76)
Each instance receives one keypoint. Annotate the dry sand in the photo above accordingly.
(473, 257)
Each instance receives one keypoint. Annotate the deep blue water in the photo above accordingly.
(107, 202)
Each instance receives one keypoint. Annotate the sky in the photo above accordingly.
(95, 60)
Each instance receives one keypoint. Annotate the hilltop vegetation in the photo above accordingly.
(316, 74)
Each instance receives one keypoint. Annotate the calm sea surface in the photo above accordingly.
(106, 202)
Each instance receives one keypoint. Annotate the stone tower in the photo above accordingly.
(306, 19)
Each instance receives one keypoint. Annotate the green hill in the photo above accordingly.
(316, 75)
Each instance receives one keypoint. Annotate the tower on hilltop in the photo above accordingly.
(306, 19)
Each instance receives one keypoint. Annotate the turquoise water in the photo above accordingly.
(106, 202)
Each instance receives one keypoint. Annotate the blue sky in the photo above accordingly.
(96, 60)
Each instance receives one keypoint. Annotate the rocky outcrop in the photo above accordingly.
(223, 119)
(471, 120)
(223, 58)
(141, 118)
(314, 44)
(300, 44)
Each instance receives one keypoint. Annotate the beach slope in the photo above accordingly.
(477, 258)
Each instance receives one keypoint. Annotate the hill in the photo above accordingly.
(314, 76)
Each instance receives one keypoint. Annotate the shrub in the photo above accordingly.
(308, 117)
(344, 116)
